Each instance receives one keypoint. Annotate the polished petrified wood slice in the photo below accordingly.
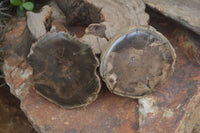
(64, 70)
(102, 18)
(136, 60)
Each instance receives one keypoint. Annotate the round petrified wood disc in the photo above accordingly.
(64, 70)
(136, 60)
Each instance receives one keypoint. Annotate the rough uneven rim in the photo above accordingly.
(94, 95)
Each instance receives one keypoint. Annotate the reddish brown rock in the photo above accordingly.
(189, 43)
(174, 107)
(28, 32)
(17, 27)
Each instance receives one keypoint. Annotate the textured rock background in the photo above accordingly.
(174, 107)
(12, 119)
(186, 12)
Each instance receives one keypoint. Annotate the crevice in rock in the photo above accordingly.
(156, 18)
(80, 12)
(186, 39)
(79, 15)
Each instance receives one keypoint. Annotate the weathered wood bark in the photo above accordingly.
(187, 12)
(137, 60)
(64, 70)
(37, 25)
(103, 19)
